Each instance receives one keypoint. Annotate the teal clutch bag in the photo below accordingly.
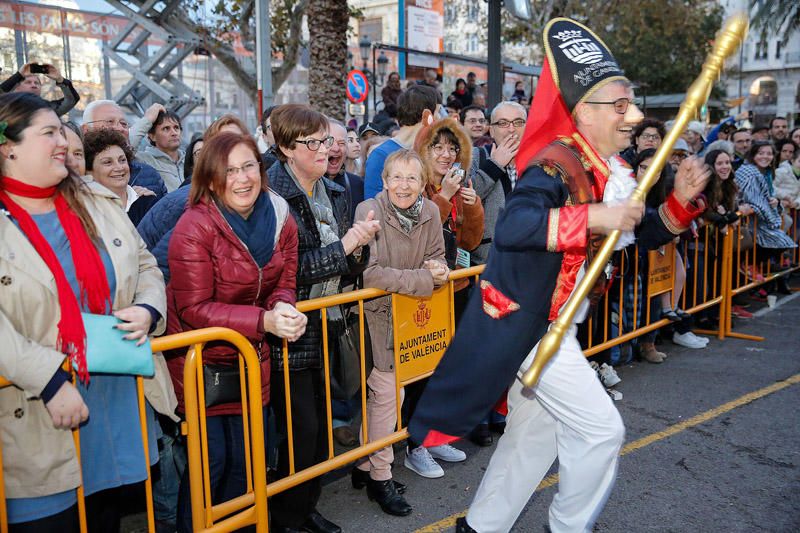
(108, 353)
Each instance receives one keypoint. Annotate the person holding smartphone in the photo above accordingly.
(27, 80)
(447, 152)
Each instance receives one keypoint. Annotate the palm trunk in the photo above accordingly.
(327, 26)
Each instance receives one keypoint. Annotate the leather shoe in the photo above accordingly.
(462, 526)
(344, 435)
(316, 523)
(360, 478)
(498, 427)
(782, 286)
(481, 436)
(384, 493)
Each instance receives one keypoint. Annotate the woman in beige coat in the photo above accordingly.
(67, 246)
(406, 257)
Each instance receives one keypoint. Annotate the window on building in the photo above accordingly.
(449, 14)
(762, 47)
(472, 11)
(778, 48)
(764, 91)
(473, 43)
(372, 28)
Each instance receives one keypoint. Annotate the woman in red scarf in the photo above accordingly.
(66, 247)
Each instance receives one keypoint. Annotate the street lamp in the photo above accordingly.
(383, 63)
(364, 46)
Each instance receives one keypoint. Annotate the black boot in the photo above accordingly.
(316, 523)
(359, 478)
(387, 497)
(481, 436)
(782, 286)
(462, 526)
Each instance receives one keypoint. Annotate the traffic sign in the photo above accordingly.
(357, 110)
(357, 86)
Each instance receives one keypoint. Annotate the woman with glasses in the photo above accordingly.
(236, 250)
(329, 249)
(446, 151)
(406, 257)
(647, 134)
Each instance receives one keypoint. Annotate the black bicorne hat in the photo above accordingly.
(579, 60)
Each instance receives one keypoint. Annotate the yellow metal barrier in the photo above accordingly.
(206, 516)
(81, 501)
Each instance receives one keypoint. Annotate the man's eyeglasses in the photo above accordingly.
(110, 123)
(503, 123)
(650, 137)
(439, 149)
(314, 144)
(620, 104)
(249, 168)
(473, 121)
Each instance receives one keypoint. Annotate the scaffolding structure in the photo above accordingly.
(153, 77)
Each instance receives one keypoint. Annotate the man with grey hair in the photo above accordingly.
(499, 175)
(107, 114)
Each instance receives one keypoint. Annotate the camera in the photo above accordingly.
(38, 69)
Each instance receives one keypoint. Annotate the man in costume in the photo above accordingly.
(582, 116)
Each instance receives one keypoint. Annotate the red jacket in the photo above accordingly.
(215, 282)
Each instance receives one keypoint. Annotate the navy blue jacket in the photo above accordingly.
(485, 354)
(146, 176)
(354, 186)
(157, 225)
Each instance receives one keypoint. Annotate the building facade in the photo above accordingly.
(766, 73)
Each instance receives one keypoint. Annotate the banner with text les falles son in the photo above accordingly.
(422, 332)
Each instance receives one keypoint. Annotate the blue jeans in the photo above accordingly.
(170, 468)
(342, 410)
(226, 465)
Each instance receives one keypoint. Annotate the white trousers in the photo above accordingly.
(567, 415)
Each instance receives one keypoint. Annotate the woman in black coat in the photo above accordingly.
(329, 249)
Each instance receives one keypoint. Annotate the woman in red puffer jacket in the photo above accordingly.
(233, 259)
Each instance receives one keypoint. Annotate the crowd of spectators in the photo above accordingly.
(225, 228)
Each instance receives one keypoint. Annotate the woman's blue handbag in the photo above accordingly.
(108, 353)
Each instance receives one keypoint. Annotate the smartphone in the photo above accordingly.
(458, 171)
(750, 116)
(38, 69)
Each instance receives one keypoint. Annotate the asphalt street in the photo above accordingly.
(736, 471)
(711, 446)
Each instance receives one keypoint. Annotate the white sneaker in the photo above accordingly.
(688, 340)
(704, 340)
(608, 376)
(445, 452)
(420, 461)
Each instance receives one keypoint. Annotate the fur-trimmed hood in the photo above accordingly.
(422, 144)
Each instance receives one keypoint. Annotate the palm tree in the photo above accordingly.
(327, 71)
(780, 17)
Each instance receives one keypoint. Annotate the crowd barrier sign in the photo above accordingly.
(422, 330)
(720, 268)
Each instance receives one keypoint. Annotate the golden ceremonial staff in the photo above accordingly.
(727, 42)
